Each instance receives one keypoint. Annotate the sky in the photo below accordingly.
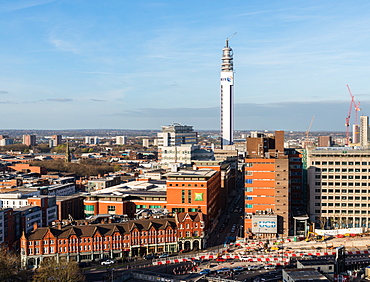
(89, 64)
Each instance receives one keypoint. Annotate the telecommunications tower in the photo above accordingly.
(227, 95)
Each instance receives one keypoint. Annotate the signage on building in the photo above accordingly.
(334, 232)
(198, 197)
(264, 224)
(227, 78)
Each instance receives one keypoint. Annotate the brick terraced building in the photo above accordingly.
(95, 242)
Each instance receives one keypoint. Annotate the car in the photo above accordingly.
(223, 270)
(205, 272)
(220, 259)
(83, 264)
(164, 255)
(254, 267)
(107, 262)
(269, 267)
(307, 257)
(232, 230)
(246, 259)
(150, 256)
(238, 269)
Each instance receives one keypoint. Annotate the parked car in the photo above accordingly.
(83, 264)
(164, 255)
(220, 259)
(223, 270)
(307, 257)
(150, 256)
(205, 272)
(270, 267)
(238, 269)
(107, 262)
(246, 259)
(254, 267)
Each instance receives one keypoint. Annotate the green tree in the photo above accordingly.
(116, 168)
(62, 271)
(60, 149)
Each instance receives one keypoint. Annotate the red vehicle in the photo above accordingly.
(220, 259)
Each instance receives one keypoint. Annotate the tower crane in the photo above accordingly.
(308, 130)
(356, 105)
(357, 109)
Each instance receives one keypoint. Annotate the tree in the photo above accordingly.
(62, 271)
(10, 268)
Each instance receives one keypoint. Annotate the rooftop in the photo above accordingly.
(306, 274)
(201, 173)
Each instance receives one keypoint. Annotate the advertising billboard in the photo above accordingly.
(264, 224)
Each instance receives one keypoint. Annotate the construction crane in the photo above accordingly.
(356, 105)
(308, 130)
(357, 109)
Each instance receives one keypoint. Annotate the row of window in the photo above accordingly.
(350, 198)
(189, 185)
(250, 198)
(339, 163)
(342, 170)
(189, 234)
(349, 191)
(342, 176)
(250, 172)
(251, 164)
(342, 184)
(250, 189)
(357, 205)
(343, 211)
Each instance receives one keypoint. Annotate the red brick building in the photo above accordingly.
(195, 191)
(94, 242)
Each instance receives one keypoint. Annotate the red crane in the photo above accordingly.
(357, 109)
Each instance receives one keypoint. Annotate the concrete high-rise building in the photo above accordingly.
(29, 140)
(92, 140)
(146, 143)
(120, 140)
(176, 134)
(338, 180)
(55, 140)
(364, 131)
(355, 133)
(227, 96)
(6, 141)
(325, 141)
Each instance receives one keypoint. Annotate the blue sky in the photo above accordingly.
(70, 64)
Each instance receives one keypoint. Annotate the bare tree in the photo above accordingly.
(10, 268)
(62, 271)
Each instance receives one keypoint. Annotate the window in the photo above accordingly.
(89, 208)
(111, 208)
(249, 181)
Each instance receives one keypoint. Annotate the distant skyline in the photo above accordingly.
(67, 64)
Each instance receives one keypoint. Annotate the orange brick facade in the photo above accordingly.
(94, 242)
(192, 192)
